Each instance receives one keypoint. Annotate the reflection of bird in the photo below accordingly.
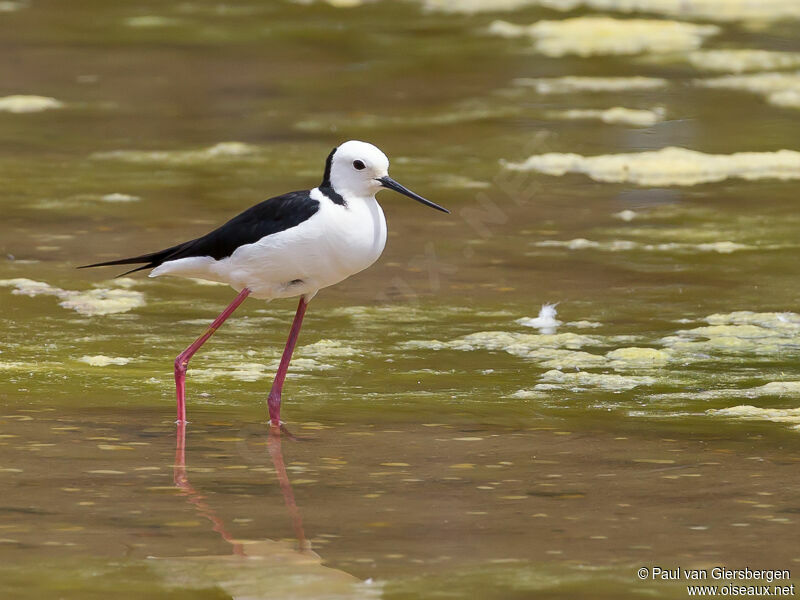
(290, 245)
(256, 568)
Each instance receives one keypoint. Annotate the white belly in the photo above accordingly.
(335, 243)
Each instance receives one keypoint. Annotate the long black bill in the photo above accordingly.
(391, 184)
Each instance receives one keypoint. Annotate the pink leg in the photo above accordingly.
(274, 400)
(182, 360)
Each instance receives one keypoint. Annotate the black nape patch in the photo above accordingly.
(333, 195)
(326, 178)
(326, 187)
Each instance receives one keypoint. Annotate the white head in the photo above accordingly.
(360, 169)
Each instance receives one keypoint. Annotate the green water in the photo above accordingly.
(443, 449)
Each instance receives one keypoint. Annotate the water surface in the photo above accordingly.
(445, 446)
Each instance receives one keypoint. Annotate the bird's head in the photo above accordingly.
(361, 169)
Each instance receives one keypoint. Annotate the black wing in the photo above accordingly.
(268, 217)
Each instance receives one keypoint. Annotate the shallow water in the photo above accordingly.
(446, 445)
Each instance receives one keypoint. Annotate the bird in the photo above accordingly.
(287, 246)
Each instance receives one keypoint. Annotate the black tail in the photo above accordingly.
(151, 260)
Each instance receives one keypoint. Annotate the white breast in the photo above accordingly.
(335, 243)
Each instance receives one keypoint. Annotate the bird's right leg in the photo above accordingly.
(182, 360)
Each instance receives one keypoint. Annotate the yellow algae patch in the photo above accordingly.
(100, 301)
(592, 36)
(117, 197)
(244, 371)
(464, 112)
(528, 395)
(521, 344)
(572, 84)
(28, 104)
(712, 10)
(668, 166)
(327, 349)
(29, 287)
(15, 366)
(221, 151)
(345, 3)
(100, 360)
(336, 3)
(774, 388)
(448, 180)
(567, 359)
(782, 321)
(518, 344)
(778, 415)
(617, 115)
(637, 357)
(555, 379)
(476, 6)
(740, 61)
(778, 388)
(302, 364)
(721, 247)
(146, 21)
(780, 89)
(584, 324)
(395, 464)
(11, 5)
(739, 332)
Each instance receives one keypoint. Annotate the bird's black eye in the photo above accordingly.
(359, 165)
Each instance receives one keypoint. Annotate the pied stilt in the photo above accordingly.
(287, 246)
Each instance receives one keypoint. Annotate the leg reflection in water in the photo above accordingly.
(276, 453)
(181, 479)
(256, 568)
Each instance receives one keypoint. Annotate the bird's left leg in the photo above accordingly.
(274, 400)
(182, 360)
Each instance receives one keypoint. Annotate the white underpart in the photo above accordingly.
(335, 243)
